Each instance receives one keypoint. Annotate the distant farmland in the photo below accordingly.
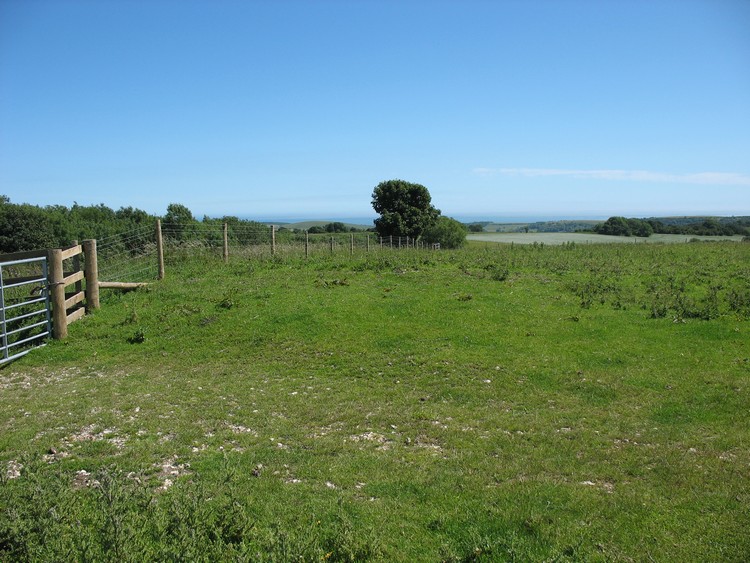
(583, 238)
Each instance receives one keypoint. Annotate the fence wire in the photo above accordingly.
(132, 256)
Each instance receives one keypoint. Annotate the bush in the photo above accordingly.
(447, 232)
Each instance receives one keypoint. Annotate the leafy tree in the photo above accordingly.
(640, 228)
(615, 226)
(405, 209)
(622, 227)
(25, 227)
(476, 228)
(178, 221)
(446, 231)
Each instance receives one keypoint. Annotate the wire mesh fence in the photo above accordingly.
(133, 256)
(129, 256)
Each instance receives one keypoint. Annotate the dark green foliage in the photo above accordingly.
(29, 227)
(695, 226)
(476, 228)
(622, 227)
(446, 232)
(25, 227)
(405, 209)
(179, 222)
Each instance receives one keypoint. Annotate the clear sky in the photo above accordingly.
(559, 108)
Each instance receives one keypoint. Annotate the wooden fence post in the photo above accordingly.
(57, 294)
(159, 250)
(307, 244)
(331, 245)
(91, 274)
(226, 244)
(273, 240)
(368, 243)
(351, 244)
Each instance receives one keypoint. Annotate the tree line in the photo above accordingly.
(708, 226)
(30, 227)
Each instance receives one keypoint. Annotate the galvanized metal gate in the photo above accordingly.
(25, 316)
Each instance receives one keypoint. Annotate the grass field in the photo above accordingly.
(558, 403)
(587, 238)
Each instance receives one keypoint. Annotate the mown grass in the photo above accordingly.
(509, 403)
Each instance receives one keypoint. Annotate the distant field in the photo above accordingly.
(544, 226)
(583, 238)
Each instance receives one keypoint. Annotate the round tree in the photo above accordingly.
(405, 209)
(446, 232)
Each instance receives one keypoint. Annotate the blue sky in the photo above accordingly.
(557, 108)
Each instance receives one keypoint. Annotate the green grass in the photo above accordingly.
(583, 402)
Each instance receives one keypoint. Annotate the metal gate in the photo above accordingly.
(25, 318)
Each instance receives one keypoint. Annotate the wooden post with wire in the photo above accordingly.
(226, 244)
(91, 274)
(159, 250)
(351, 244)
(273, 240)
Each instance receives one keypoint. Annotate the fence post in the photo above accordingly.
(159, 250)
(307, 244)
(57, 294)
(273, 240)
(91, 273)
(391, 241)
(226, 244)
(368, 243)
(351, 244)
(331, 245)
